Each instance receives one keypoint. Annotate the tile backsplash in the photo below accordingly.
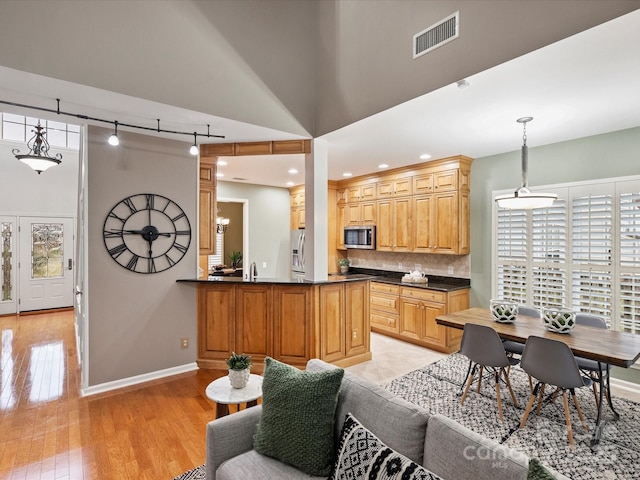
(445, 265)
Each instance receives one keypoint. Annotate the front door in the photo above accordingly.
(46, 263)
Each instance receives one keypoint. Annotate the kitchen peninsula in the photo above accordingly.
(289, 319)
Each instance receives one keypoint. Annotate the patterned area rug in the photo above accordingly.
(197, 473)
(435, 387)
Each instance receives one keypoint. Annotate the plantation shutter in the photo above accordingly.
(549, 255)
(218, 258)
(629, 276)
(592, 249)
(512, 255)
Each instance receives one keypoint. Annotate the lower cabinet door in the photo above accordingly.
(254, 321)
(292, 316)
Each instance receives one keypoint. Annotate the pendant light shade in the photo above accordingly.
(523, 197)
(38, 157)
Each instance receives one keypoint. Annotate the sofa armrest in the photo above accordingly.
(230, 436)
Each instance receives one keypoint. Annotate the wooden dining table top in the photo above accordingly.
(607, 346)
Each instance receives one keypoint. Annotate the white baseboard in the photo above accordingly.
(625, 385)
(146, 377)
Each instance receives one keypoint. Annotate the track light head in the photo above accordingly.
(194, 148)
(113, 139)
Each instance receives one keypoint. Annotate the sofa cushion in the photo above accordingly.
(453, 451)
(363, 455)
(298, 414)
(397, 423)
(252, 465)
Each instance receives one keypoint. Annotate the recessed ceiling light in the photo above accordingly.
(290, 184)
(347, 174)
(383, 165)
(292, 171)
(425, 156)
(221, 163)
(218, 174)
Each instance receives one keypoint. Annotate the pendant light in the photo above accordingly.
(523, 198)
(194, 148)
(38, 157)
(113, 139)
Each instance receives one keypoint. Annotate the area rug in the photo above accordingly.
(197, 473)
(436, 388)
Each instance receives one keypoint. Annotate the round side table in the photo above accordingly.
(221, 392)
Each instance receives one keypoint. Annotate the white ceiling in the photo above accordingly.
(581, 86)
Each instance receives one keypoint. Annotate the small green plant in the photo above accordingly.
(239, 362)
(236, 259)
(344, 262)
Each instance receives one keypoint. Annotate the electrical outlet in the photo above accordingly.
(264, 264)
(450, 270)
(184, 342)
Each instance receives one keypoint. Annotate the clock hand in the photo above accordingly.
(142, 232)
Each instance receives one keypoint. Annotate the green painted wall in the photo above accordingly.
(608, 155)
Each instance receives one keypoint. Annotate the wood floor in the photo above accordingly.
(47, 431)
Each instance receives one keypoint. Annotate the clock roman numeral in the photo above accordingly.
(183, 232)
(112, 234)
(113, 215)
(152, 266)
(178, 217)
(129, 203)
(133, 262)
(170, 260)
(180, 247)
(116, 251)
(150, 200)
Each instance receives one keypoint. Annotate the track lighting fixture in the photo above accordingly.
(113, 139)
(523, 198)
(194, 148)
(38, 157)
(46, 162)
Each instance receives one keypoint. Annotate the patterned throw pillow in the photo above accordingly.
(298, 416)
(537, 471)
(363, 456)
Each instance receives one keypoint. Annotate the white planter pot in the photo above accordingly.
(239, 378)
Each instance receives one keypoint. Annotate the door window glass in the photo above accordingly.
(47, 251)
(7, 253)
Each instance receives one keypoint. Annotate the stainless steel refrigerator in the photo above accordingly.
(297, 253)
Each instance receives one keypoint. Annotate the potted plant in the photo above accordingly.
(236, 259)
(344, 265)
(239, 367)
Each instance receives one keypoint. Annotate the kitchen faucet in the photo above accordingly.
(253, 271)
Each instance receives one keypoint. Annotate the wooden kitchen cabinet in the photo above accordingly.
(207, 219)
(360, 192)
(289, 322)
(435, 229)
(297, 200)
(384, 307)
(360, 213)
(341, 221)
(417, 309)
(400, 187)
(394, 218)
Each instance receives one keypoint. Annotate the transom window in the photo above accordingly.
(582, 253)
(18, 128)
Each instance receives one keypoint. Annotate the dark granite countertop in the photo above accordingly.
(438, 283)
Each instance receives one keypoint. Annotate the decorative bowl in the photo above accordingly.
(504, 311)
(559, 320)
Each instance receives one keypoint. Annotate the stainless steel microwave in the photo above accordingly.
(360, 236)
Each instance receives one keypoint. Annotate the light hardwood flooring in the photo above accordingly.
(152, 431)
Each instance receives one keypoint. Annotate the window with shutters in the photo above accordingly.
(582, 253)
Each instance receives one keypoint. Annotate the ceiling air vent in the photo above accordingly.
(436, 35)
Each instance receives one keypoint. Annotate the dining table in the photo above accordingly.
(620, 349)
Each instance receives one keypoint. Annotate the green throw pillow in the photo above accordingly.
(537, 471)
(298, 414)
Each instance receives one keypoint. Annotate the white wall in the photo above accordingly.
(136, 321)
(24, 192)
(269, 226)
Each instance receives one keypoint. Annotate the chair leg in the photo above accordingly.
(508, 382)
(480, 378)
(530, 384)
(532, 398)
(595, 389)
(497, 377)
(540, 398)
(567, 418)
(469, 382)
(575, 401)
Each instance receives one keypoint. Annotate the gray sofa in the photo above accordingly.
(438, 443)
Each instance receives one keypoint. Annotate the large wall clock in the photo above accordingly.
(147, 233)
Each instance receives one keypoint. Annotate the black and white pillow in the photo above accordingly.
(362, 455)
